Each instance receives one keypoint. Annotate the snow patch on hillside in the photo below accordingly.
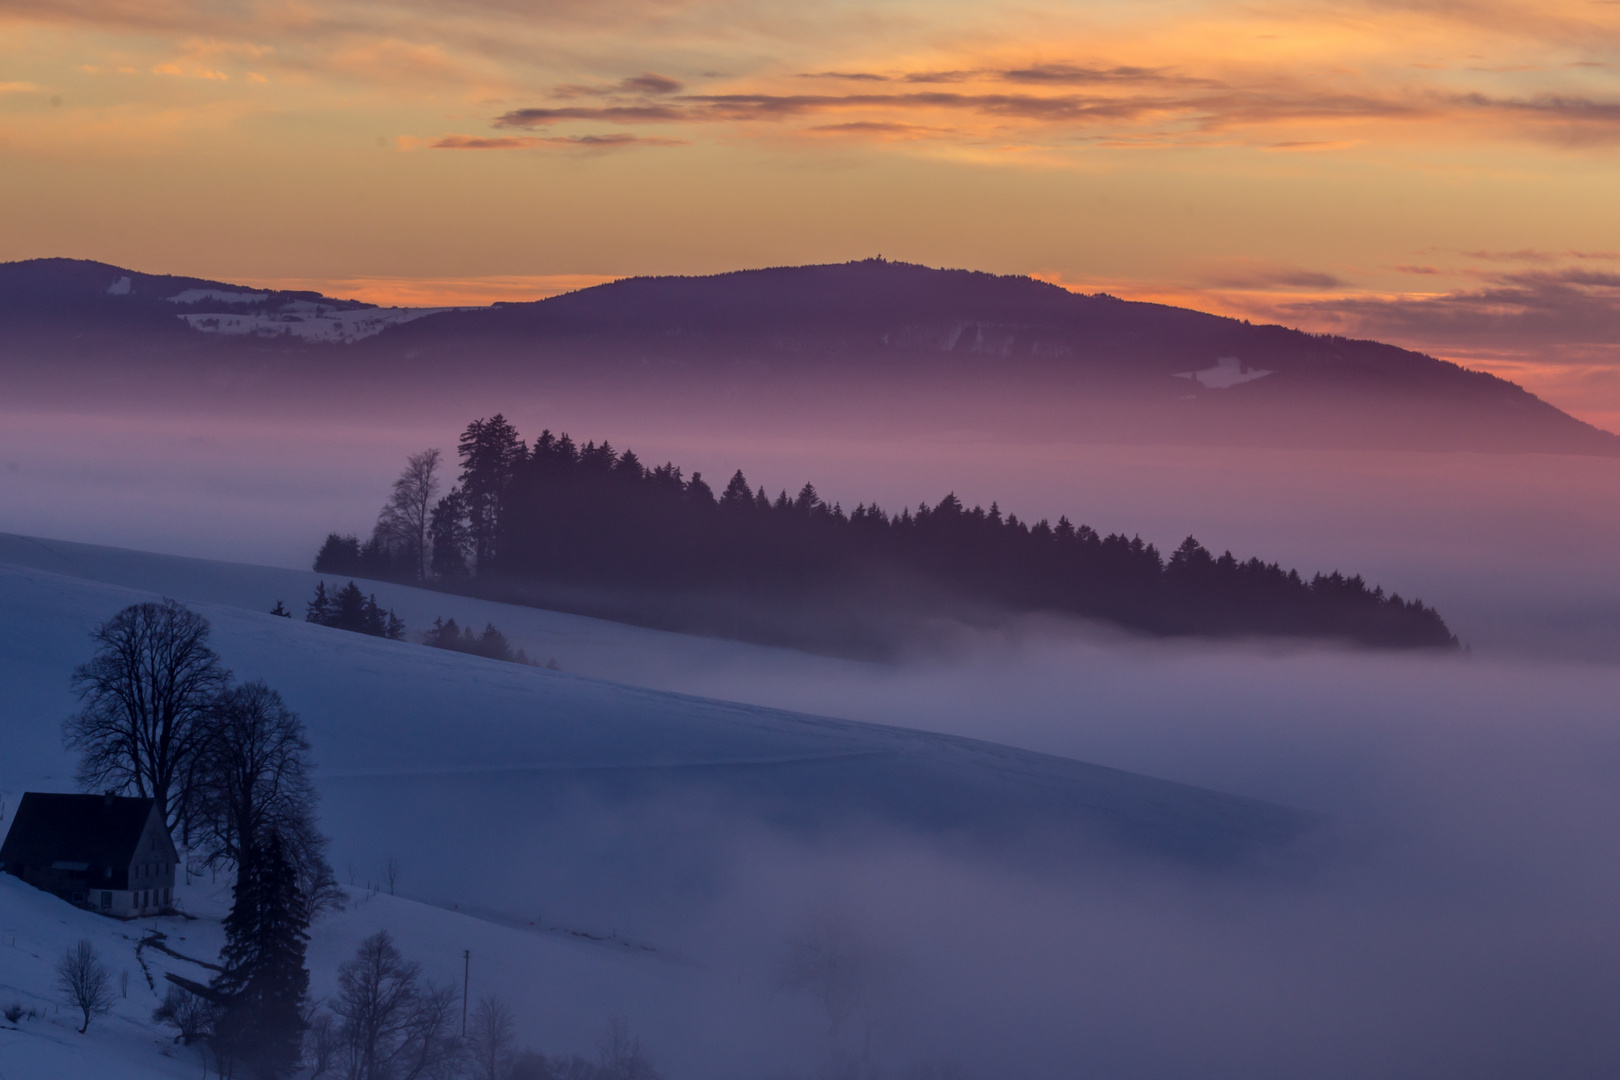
(307, 321)
(192, 296)
(1226, 373)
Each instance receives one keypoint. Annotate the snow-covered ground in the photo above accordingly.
(305, 320)
(584, 981)
(586, 839)
(606, 842)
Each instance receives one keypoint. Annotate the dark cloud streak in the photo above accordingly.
(1545, 315)
(615, 114)
(649, 83)
(1206, 107)
(528, 142)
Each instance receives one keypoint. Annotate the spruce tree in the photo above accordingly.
(339, 555)
(349, 609)
(737, 496)
(449, 537)
(319, 609)
(491, 453)
(259, 1032)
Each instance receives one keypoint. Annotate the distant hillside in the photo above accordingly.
(79, 305)
(870, 345)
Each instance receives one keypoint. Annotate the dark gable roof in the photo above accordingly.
(101, 830)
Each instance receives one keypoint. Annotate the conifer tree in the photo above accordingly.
(319, 609)
(349, 609)
(737, 495)
(339, 555)
(490, 452)
(449, 537)
(259, 1031)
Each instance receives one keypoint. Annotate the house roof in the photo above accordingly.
(97, 830)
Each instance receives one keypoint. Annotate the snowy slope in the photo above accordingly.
(582, 645)
(604, 849)
(601, 849)
(584, 982)
(380, 711)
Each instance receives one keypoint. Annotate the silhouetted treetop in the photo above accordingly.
(565, 515)
(351, 609)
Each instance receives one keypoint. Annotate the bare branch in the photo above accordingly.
(85, 982)
(146, 697)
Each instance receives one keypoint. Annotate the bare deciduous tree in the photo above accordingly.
(489, 1036)
(251, 780)
(192, 1018)
(829, 962)
(85, 982)
(321, 1044)
(187, 1013)
(147, 696)
(619, 1055)
(404, 522)
(392, 1025)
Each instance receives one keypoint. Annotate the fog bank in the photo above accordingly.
(1513, 549)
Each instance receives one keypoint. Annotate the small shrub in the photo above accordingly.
(189, 1015)
(14, 1012)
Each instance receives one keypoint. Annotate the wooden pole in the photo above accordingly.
(466, 969)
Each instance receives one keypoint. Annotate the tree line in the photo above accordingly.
(559, 513)
(385, 1021)
(350, 609)
(228, 766)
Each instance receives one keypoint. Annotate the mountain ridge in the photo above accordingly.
(847, 341)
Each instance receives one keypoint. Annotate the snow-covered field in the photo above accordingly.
(35, 928)
(608, 839)
(576, 834)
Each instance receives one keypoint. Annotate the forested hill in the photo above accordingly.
(933, 348)
(870, 345)
(556, 514)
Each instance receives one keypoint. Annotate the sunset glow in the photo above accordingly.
(1439, 175)
(849, 540)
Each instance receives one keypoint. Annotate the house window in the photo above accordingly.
(106, 901)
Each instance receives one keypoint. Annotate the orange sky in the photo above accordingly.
(1442, 174)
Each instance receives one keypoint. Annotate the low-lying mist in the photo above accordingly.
(1512, 549)
(1453, 916)
(1457, 917)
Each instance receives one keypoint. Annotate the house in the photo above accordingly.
(105, 852)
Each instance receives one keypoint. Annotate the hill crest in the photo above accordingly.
(858, 343)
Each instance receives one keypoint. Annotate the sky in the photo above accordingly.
(1440, 174)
